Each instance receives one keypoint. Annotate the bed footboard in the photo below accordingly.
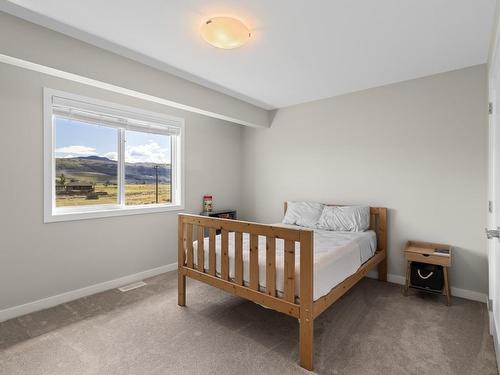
(194, 227)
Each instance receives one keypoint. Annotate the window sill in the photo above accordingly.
(84, 213)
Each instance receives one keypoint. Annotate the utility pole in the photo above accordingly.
(156, 170)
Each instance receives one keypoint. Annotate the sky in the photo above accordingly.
(74, 138)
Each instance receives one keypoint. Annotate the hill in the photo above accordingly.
(101, 169)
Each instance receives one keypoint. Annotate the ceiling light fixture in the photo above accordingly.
(225, 32)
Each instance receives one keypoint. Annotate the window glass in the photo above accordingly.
(86, 167)
(148, 177)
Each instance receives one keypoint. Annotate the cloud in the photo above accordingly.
(76, 150)
(151, 152)
(111, 155)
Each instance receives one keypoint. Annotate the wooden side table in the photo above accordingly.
(425, 252)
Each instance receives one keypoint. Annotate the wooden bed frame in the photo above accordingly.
(305, 309)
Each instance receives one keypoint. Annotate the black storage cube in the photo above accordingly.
(428, 276)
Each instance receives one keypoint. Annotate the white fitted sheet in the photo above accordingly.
(337, 255)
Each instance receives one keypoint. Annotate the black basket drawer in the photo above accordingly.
(427, 276)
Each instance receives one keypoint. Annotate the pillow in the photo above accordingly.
(305, 214)
(346, 218)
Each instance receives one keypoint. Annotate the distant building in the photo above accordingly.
(79, 187)
(60, 188)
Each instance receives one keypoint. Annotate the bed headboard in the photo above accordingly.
(378, 223)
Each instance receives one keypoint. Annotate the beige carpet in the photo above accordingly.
(371, 330)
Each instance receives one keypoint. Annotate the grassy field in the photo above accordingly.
(135, 194)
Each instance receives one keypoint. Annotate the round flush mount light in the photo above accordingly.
(225, 32)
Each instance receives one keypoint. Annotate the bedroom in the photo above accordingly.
(371, 105)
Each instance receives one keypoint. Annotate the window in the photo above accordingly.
(103, 159)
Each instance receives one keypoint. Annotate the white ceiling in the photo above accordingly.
(299, 51)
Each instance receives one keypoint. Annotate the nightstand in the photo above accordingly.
(222, 214)
(432, 254)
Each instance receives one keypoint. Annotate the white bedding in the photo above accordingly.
(337, 255)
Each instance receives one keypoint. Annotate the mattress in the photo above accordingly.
(337, 255)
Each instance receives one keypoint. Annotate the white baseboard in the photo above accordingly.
(457, 292)
(45, 303)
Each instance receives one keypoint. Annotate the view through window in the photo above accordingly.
(148, 177)
(86, 163)
(86, 160)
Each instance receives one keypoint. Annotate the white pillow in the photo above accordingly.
(305, 214)
(346, 218)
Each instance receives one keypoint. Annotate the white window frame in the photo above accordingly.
(55, 214)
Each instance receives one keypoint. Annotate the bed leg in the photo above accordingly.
(382, 270)
(306, 342)
(181, 261)
(306, 300)
(181, 285)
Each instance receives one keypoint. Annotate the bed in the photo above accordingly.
(291, 269)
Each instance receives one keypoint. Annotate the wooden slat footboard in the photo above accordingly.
(253, 291)
(304, 308)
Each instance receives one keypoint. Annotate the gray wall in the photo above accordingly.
(493, 41)
(39, 260)
(417, 147)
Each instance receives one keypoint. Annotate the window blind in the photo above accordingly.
(106, 116)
